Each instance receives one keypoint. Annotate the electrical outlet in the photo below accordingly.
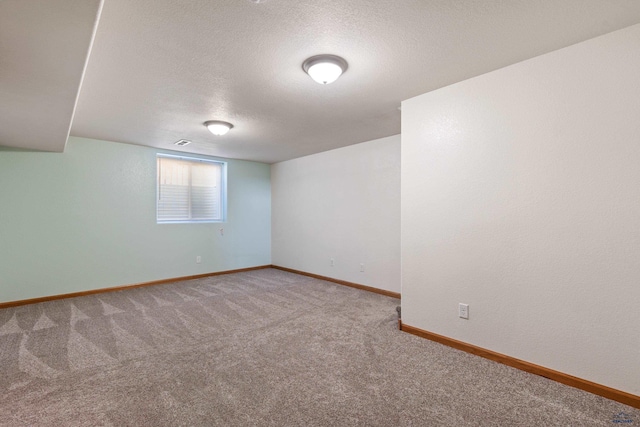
(361, 268)
(463, 311)
(332, 262)
(198, 259)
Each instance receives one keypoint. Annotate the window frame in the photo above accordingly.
(195, 160)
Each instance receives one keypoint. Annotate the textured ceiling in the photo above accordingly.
(160, 68)
(44, 46)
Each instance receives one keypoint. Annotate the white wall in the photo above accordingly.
(521, 197)
(342, 204)
(85, 219)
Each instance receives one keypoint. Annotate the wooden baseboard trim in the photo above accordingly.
(120, 288)
(340, 282)
(591, 387)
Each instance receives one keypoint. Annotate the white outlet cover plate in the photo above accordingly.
(463, 311)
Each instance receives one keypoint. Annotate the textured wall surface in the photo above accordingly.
(86, 219)
(343, 205)
(521, 198)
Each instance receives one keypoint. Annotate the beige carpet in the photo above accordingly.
(261, 348)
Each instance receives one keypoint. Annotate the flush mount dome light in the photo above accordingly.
(325, 69)
(218, 127)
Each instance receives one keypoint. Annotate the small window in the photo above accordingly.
(190, 190)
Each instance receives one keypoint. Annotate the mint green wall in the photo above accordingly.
(85, 219)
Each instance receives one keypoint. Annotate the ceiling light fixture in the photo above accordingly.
(325, 69)
(218, 127)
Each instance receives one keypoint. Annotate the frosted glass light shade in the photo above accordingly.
(218, 127)
(325, 69)
(325, 72)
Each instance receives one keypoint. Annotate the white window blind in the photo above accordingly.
(190, 190)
